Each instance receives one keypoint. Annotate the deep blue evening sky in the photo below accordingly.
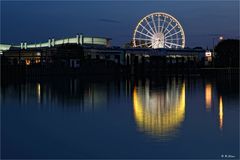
(37, 21)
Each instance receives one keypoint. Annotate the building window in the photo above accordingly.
(37, 60)
(28, 61)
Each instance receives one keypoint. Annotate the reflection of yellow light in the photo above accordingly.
(38, 92)
(208, 95)
(28, 62)
(159, 119)
(220, 113)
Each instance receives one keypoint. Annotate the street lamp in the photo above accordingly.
(221, 38)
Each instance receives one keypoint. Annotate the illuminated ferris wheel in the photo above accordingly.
(159, 30)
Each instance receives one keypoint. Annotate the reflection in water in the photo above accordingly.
(159, 114)
(38, 93)
(81, 114)
(208, 95)
(220, 113)
(70, 94)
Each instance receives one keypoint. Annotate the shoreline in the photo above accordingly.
(115, 71)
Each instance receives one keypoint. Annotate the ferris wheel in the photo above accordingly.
(159, 30)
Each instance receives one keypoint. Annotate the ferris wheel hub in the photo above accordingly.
(158, 40)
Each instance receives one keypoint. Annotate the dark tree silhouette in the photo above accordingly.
(227, 53)
(129, 44)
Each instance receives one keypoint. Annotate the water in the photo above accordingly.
(164, 117)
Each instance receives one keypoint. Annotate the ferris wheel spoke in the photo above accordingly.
(174, 44)
(164, 21)
(152, 44)
(144, 34)
(154, 25)
(146, 29)
(159, 23)
(167, 30)
(170, 30)
(167, 45)
(172, 34)
(160, 28)
(171, 26)
(144, 39)
(143, 44)
(149, 25)
(176, 39)
(168, 25)
(147, 43)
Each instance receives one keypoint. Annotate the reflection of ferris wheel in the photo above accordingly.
(159, 30)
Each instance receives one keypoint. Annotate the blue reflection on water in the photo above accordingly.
(166, 117)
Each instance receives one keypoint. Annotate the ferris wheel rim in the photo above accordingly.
(156, 29)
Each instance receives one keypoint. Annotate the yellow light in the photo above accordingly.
(38, 92)
(208, 54)
(27, 61)
(37, 61)
(220, 113)
(161, 114)
(208, 95)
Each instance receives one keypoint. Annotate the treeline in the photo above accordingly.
(227, 53)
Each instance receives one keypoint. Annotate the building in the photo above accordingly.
(86, 52)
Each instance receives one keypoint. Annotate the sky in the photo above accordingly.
(36, 21)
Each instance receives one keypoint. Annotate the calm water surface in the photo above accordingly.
(164, 117)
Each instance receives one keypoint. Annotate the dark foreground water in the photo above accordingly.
(96, 117)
